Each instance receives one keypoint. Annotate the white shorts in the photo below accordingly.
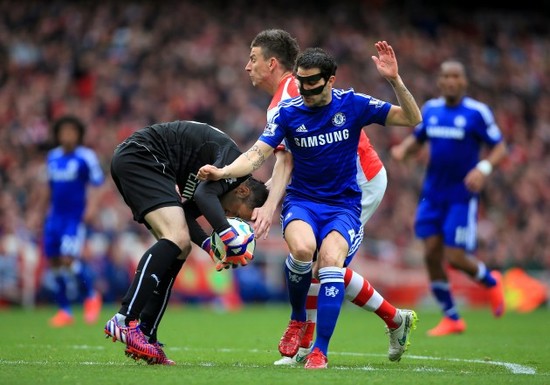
(372, 192)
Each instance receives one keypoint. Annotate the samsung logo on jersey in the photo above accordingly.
(322, 139)
(445, 132)
(67, 174)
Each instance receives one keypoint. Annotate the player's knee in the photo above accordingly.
(303, 253)
(184, 243)
(184, 254)
(181, 240)
(328, 261)
(185, 250)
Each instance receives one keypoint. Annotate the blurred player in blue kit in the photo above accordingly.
(456, 126)
(71, 198)
(322, 206)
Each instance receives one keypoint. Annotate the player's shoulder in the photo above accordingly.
(86, 154)
(349, 95)
(474, 104)
(55, 152)
(434, 103)
(84, 151)
(288, 107)
(340, 93)
(292, 102)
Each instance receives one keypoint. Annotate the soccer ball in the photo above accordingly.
(242, 227)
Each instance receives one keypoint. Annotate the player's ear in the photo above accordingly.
(242, 191)
(272, 63)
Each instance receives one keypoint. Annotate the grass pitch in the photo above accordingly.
(213, 347)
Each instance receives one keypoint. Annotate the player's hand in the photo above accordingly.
(207, 246)
(209, 172)
(397, 152)
(474, 180)
(262, 218)
(386, 63)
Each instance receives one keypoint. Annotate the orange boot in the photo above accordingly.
(92, 308)
(61, 318)
(496, 295)
(447, 326)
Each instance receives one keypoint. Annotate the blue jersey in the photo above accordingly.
(456, 134)
(68, 176)
(323, 142)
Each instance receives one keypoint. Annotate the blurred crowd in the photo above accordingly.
(123, 65)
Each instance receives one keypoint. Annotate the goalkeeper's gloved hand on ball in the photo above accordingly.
(236, 249)
(207, 246)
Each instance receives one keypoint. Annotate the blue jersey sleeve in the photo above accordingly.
(371, 110)
(274, 131)
(95, 172)
(487, 130)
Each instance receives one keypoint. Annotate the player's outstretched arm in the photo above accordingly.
(408, 112)
(245, 164)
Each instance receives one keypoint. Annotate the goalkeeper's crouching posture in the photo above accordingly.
(155, 172)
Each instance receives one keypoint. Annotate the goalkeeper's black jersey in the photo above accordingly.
(187, 146)
(178, 150)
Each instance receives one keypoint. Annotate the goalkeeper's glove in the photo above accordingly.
(207, 246)
(235, 247)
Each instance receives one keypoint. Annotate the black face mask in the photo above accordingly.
(311, 79)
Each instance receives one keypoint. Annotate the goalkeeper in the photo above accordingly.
(155, 172)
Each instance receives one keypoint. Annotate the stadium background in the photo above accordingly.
(122, 65)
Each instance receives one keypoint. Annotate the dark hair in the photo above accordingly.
(453, 63)
(258, 192)
(68, 120)
(279, 44)
(316, 58)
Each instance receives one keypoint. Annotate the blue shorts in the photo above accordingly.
(63, 237)
(323, 219)
(456, 222)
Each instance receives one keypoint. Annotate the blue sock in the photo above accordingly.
(484, 275)
(60, 294)
(329, 303)
(85, 276)
(442, 293)
(298, 279)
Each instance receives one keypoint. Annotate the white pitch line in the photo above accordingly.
(512, 367)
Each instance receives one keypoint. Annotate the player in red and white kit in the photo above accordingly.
(272, 57)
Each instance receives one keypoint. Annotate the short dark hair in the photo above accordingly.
(279, 44)
(457, 64)
(317, 58)
(68, 120)
(258, 193)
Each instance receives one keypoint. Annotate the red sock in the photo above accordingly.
(360, 292)
(311, 310)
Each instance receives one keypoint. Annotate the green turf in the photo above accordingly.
(212, 347)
